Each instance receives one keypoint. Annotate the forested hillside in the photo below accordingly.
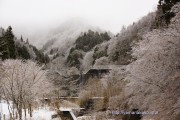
(83, 44)
(133, 75)
(149, 81)
(12, 47)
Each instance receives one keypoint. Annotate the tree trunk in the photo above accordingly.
(24, 113)
(20, 108)
(20, 113)
(13, 111)
(4, 117)
(16, 115)
(30, 110)
(10, 116)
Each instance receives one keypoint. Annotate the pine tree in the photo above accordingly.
(164, 14)
(9, 38)
(3, 48)
(21, 38)
(22, 52)
(27, 41)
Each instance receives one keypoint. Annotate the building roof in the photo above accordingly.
(103, 67)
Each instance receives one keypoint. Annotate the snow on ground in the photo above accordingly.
(4, 110)
(42, 114)
(39, 114)
(86, 118)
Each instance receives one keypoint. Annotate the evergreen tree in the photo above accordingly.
(105, 36)
(166, 5)
(3, 48)
(23, 53)
(90, 39)
(9, 38)
(40, 57)
(21, 38)
(11, 50)
(27, 41)
(164, 14)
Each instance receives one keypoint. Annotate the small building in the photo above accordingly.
(93, 73)
(99, 73)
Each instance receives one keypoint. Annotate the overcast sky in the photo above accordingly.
(32, 15)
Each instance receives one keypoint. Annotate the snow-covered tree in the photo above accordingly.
(102, 61)
(87, 60)
(119, 50)
(154, 76)
(22, 83)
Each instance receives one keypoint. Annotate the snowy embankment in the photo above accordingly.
(4, 109)
(40, 114)
(86, 118)
(43, 113)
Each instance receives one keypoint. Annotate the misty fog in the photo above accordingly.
(36, 18)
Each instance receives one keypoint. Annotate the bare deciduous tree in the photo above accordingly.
(154, 78)
(22, 83)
